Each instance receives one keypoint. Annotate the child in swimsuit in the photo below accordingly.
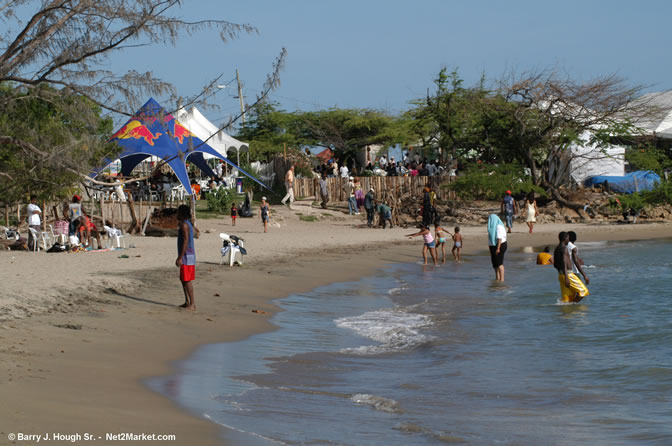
(264, 213)
(440, 235)
(429, 243)
(457, 246)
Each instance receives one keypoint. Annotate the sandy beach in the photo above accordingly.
(81, 331)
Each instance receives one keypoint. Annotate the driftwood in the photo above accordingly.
(156, 231)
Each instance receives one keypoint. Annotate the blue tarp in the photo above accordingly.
(153, 132)
(627, 184)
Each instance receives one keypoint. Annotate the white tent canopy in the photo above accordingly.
(200, 126)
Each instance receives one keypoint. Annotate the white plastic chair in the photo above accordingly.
(117, 235)
(57, 235)
(39, 236)
(230, 248)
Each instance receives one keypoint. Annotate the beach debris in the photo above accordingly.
(69, 326)
(259, 311)
(216, 294)
(123, 256)
(208, 319)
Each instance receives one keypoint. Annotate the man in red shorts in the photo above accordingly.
(186, 255)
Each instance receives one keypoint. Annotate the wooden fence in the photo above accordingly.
(389, 189)
(119, 214)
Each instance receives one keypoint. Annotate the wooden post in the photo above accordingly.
(44, 215)
(102, 208)
(192, 206)
(7, 215)
(135, 225)
(284, 145)
(144, 226)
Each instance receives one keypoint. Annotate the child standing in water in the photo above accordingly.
(440, 235)
(457, 246)
(429, 243)
(264, 213)
(234, 214)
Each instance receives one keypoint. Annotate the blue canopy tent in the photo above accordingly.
(153, 132)
(627, 184)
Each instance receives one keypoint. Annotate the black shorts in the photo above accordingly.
(497, 259)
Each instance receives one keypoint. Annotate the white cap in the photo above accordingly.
(371, 189)
(352, 178)
(263, 198)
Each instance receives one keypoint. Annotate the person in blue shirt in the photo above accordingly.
(509, 209)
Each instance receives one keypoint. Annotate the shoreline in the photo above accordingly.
(82, 370)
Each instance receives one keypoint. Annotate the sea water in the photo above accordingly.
(422, 355)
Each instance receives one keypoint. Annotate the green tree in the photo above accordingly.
(347, 131)
(268, 130)
(47, 139)
(454, 118)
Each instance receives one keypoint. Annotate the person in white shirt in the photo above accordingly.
(497, 245)
(382, 161)
(344, 171)
(577, 262)
(34, 220)
(289, 185)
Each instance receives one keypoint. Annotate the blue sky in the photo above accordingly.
(382, 54)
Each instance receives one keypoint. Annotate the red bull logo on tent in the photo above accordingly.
(181, 132)
(135, 129)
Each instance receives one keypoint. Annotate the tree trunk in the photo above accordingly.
(578, 207)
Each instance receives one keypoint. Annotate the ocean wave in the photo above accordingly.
(393, 329)
(377, 402)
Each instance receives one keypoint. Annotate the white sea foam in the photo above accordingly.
(253, 434)
(377, 402)
(393, 329)
(397, 290)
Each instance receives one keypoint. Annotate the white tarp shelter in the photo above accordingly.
(200, 126)
(590, 160)
(660, 124)
(586, 160)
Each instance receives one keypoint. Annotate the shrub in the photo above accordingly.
(661, 194)
(220, 200)
(487, 182)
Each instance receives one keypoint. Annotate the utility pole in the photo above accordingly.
(240, 96)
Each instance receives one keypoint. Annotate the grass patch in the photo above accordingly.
(207, 215)
(326, 214)
(307, 217)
